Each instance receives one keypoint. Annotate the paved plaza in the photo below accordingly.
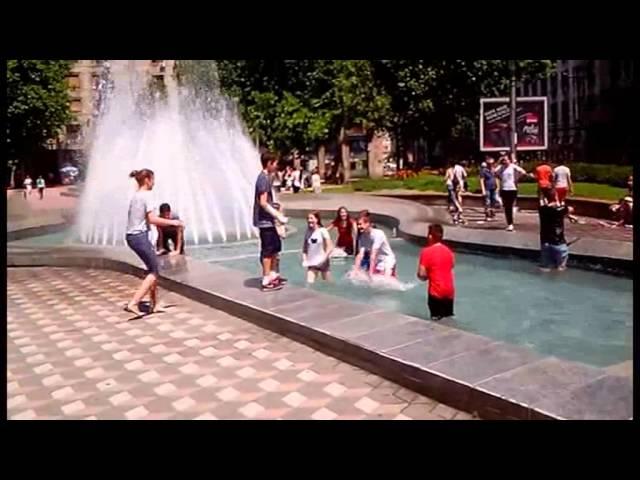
(72, 354)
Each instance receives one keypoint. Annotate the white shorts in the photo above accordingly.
(386, 266)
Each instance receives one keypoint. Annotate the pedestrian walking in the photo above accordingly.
(41, 186)
(488, 185)
(28, 185)
(508, 174)
(562, 181)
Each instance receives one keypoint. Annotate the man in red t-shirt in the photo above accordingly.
(544, 175)
(436, 266)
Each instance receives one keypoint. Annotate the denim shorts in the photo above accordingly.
(490, 199)
(553, 256)
(140, 244)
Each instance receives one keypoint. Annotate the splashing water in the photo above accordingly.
(204, 163)
(379, 282)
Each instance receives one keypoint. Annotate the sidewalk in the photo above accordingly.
(71, 354)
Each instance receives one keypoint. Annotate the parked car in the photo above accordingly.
(69, 174)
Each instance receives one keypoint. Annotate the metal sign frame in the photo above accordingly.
(519, 100)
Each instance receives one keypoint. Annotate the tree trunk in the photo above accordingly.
(376, 156)
(321, 159)
(346, 160)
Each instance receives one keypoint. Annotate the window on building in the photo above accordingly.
(74, 82)
(564, 80)
(554, 86)
(553, 119)
(519, 91)
(543, 87)
(76, 106)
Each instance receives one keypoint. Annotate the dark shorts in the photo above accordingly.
(440, 307)
(171, 233)
(323, 267)
(270, 243)
(140, 244)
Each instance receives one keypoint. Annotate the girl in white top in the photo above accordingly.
(141, 215)
(316, 249)
(507, 175)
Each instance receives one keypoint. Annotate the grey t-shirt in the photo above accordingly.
(262, 218)
(141, 203)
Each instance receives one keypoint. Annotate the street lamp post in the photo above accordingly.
(577, 120)
(514, 135)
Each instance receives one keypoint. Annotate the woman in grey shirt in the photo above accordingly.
(141, 215)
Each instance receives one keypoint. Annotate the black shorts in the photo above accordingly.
(270, 243)
(440, 307)
(171, 233)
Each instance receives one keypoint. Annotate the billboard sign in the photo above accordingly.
(531, 124)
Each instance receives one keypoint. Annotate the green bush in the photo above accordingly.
(614, 175)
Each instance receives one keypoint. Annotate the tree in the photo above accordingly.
(439, 99)
(37, 104)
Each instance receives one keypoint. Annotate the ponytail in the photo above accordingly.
(141, 175)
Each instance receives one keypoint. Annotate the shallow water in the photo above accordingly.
(577, 315)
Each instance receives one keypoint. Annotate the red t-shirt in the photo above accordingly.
(438, 260)
(544, 174)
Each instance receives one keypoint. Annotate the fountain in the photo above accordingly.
(204, 162)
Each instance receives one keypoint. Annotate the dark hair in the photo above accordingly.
(338, 219)
(141, 175)
(436, 230)
(266, 158)
(316, 214)
(165, 207)
(364, 215)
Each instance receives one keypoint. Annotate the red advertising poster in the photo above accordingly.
(531, 124)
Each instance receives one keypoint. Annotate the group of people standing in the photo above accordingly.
(357, 237)
(294, 180)
(499, 186)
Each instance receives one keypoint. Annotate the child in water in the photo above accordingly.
(316, 250)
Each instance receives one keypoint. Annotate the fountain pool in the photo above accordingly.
(576, 315)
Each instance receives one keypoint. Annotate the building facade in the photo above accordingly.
(84, 90)
(592, 107)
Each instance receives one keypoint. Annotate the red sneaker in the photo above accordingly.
(273, 285)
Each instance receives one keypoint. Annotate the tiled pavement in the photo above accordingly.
(72, 354)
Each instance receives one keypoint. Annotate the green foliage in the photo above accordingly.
(37, 103)
(614, 175)
(301, 103)
(426, 182)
